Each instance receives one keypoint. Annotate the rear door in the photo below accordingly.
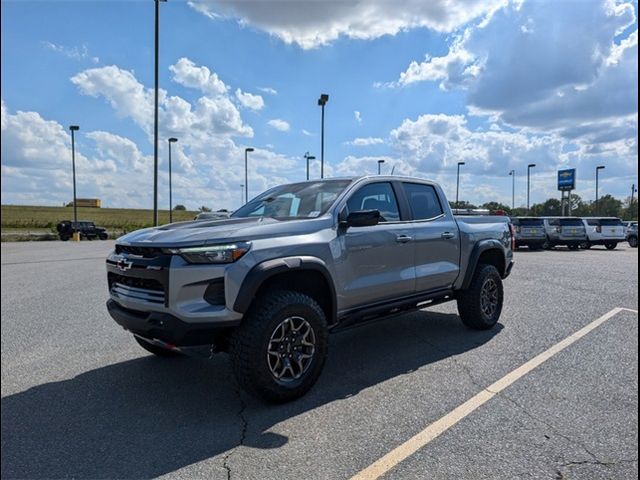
(436, 237)
(378, 260)
(612, 228)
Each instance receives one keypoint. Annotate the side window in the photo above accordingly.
(376, 196)
(593, 222)
(423, 201)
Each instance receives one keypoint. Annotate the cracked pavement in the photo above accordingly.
(80, 399)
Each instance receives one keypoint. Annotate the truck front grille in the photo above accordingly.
(136, 289)
(146, 252)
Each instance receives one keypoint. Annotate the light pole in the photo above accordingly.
(633, 191)
(155, 112)
(74, 128)
(458, 183)
(241, 194)
(380, 162)
(171, 140)
(246, 173)
(513, 189)
(598, 168)
(308, 157)
(529, 167)
(322, 101)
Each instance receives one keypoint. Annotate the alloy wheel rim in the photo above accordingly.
(291, 348)
(489, 297)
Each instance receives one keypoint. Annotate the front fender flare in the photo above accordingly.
(267, 269)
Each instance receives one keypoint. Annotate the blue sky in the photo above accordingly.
(495, 84)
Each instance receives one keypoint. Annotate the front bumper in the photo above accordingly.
(168, 328)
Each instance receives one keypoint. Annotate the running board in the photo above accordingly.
(367, 314)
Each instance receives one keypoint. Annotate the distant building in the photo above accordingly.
(86, 202)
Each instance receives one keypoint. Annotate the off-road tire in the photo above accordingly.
(249, 344)
(469, 300)
(156, 350)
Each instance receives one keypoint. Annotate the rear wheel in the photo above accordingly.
(586, 245)
(480, 305)
(611, 245)
(279, 350)
(103, 236)
(573, 246)
(547, 245)
(633, 242)
(64, 238)
(157, 350)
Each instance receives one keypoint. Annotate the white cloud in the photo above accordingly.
(269, 90)
(357, 116)
(250, 101)
(312, 23)
(279, 124)
(365, 141)
(187, 73)
(213, 113)
(540, 77)
(307, 133)
(80, 53)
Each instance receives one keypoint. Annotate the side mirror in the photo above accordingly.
(362, 218)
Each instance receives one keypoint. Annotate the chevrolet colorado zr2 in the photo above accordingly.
(268, 284)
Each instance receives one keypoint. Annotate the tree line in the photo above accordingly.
(608, 206)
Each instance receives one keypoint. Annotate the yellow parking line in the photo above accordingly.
(415, 443)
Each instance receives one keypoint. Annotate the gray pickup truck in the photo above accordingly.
(299, 261)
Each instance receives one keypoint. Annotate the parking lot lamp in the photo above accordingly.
(458, 182)
(155, 112)
(529, 167)
(513, 189)
(74, 128)
(246, 173)
(598, 168)
(308, 158)
(171, 140)
(380, 162)
(322, 101)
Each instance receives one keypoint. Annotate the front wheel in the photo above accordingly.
(633, 242)
(573, 246)
(585, 245)
(480, 305)
(279, 350)
(611, 245)
(103, 236)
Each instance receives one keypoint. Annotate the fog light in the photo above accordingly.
(214, 294)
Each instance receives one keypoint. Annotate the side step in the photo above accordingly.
(378, 311)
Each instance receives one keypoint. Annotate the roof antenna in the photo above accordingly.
(392, 170)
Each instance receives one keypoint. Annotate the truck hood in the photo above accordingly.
(206, 232)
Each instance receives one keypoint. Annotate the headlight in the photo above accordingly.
(213, 253)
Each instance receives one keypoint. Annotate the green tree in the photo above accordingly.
(496, 206)
(204, 209)
(180, 207)
(608, 206)
(550, 208)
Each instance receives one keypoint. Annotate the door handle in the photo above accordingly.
(403, 238)
(448, 235)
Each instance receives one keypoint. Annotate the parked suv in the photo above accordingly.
(268, 284)
(87, 230)
(604, 231)
(569, 231)
(632, 234)
(530, 232)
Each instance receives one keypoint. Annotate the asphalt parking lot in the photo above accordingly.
(80, 399)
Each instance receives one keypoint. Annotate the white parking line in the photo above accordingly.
(415, 443)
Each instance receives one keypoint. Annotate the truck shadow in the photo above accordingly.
(148, 416)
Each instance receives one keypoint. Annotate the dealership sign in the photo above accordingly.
(567, 179)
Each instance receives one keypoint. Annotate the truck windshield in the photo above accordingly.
(530, 222)
(611, 222)
(571, 222)
(294, 201)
